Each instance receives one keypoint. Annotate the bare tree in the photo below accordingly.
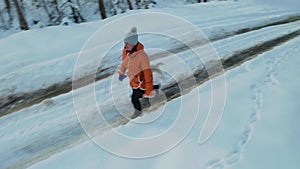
(8, 9)
(129, 5)
(102, 9)
(75, 13)
(59, 13)
(22, 20)
(2, 21)
(46, 10)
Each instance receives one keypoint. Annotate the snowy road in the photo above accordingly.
(261, 133)
(43, 60)
(48, 128)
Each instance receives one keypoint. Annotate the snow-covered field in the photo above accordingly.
(258, 128)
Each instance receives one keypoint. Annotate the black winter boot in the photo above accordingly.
(136, 114)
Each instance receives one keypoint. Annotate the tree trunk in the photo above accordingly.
(2, 22)
(78, 13)
(129, 5)
(199, 1)
(76, 19)
(8, 8)
(102, 9)
(22, 20)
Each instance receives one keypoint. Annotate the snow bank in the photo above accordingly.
(287, 4)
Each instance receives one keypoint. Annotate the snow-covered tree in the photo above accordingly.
(144, 4)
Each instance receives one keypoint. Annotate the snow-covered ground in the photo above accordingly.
(44, 52)
(258, 128)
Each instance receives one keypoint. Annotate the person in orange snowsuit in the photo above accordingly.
(136, 64)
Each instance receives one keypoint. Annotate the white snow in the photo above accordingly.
(261, 133)
(53, 51)
(258, 129)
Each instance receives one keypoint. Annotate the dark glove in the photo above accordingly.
(122, 77)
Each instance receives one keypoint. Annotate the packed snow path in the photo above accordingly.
(15, 98)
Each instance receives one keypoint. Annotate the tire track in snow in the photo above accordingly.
(235, 155)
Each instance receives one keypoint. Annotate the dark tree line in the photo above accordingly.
(25, 14)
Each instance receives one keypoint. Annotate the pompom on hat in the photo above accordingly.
(131, 37)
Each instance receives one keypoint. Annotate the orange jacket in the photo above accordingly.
(138, 69)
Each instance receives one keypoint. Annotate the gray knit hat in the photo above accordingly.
(131, 37)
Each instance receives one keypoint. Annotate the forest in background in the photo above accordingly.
(27, 14)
